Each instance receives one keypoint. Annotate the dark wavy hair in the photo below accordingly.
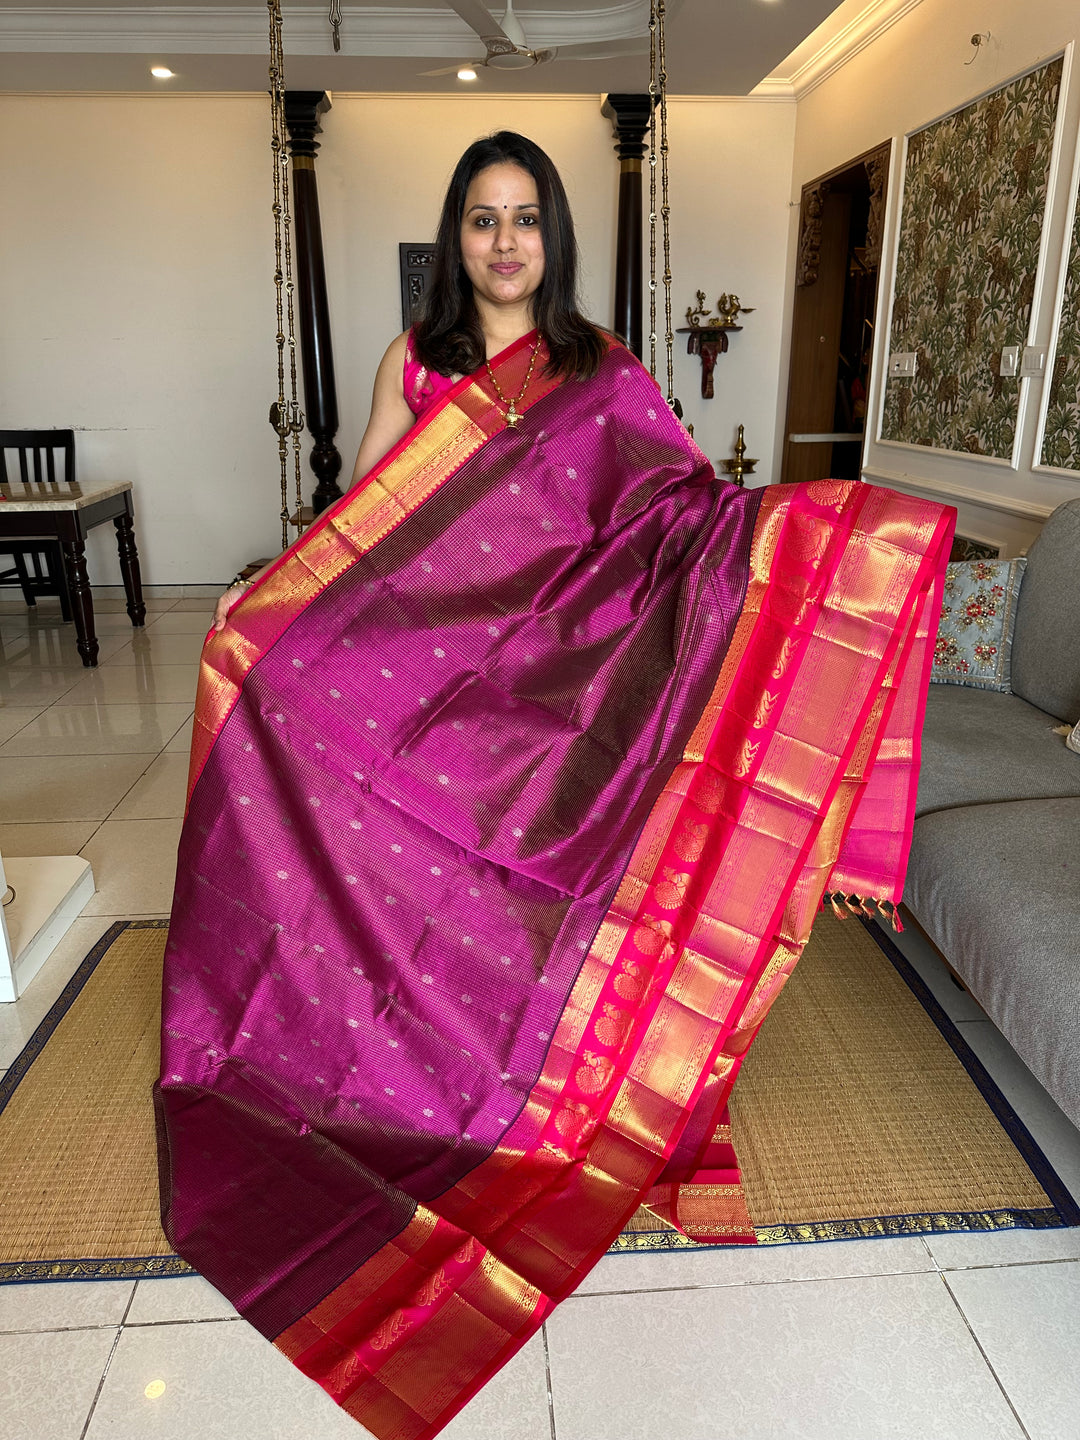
(448, 337)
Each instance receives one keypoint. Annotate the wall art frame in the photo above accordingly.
(1037, 177)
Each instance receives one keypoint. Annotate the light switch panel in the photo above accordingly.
(903, 362)
(1033, 361)
(1010, 360)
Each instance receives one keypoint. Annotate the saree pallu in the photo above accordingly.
(515, 787)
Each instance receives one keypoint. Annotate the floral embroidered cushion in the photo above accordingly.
(974, 640)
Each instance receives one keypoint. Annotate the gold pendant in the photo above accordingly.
(512, 417)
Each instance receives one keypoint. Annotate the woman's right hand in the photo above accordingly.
(225, 604)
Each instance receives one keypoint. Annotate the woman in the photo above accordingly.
(516, 785)
(505, 212)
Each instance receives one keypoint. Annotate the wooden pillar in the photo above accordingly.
(303, 109)
(629, 116)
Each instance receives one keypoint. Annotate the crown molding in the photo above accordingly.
(772, 88)
(377, 31)
(835, 49)
(757, 96)
(471, 97)
(155, 97)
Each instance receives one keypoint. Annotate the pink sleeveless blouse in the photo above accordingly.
(420, 386)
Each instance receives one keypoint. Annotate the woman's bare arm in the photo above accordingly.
(391, 418)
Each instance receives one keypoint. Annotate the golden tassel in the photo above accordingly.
(869, 905)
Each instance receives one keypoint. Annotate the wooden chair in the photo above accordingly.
(37, 570)
(44, 510)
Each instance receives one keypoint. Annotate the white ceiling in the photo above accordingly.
(715, 47)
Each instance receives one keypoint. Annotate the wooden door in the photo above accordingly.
(815, 349)
(833, 319)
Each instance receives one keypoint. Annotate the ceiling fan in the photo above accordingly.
(506, 47)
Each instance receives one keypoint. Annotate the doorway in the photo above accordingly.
(832, 338)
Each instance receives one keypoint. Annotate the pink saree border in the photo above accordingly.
(853, 878)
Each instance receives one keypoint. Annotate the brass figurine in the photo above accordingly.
(727, 317)
(707, 334)
(730, 309)
(738, 467)
(695, 316)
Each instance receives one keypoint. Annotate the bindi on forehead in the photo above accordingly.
(491, 208)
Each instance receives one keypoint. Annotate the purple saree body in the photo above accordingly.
(411, 824)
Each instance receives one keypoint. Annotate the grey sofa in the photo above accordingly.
(994, 875)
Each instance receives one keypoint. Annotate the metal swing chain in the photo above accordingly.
(286, 416)
(665, 208)
(658, 95)
(652, 191)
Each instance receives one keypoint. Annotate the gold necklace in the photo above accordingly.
(510, 413)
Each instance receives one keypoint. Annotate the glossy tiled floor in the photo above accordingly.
(966, 1337)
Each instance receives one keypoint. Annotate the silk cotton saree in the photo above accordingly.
(515, 787)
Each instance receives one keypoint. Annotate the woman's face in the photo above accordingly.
(501, 245)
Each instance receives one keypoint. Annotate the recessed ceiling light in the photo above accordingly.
(466, 73)
(161, 72)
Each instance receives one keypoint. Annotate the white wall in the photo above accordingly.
(730, 186)
(136, 265)
(910, 75)
(136, 288)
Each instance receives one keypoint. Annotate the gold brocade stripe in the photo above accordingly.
(770, 520)
(433, 451)
(804, 901)
(805, 898)
(709, 1211)
(399, 1254)
(469, 1334)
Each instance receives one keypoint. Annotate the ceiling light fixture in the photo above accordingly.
(162, 72)
(466, 73)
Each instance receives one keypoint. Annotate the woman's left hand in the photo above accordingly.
(225, 604)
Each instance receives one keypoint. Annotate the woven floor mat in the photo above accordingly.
(859, 1111)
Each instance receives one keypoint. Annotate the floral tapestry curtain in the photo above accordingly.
(975, 190)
